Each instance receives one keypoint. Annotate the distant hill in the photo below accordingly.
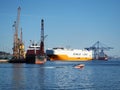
(5, 55)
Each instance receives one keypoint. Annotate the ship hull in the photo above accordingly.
(40, 59)
(102, 58)
(66, 58)
(35, 59)
(64, 54)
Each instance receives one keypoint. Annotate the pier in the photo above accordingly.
(4, 61)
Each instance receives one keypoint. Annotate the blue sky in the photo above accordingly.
(73, 23)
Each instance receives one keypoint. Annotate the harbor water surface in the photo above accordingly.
(58, 75)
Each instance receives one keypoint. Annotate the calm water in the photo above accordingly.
(96, 75)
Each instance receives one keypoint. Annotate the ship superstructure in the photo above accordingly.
(66, 54)
(32, 51)
(35, 53)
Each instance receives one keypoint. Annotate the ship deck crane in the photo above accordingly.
(98, 49)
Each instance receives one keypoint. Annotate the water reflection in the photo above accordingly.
(40, 77)
(17, 76)
(28, 76)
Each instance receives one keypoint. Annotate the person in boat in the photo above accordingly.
(79, 66)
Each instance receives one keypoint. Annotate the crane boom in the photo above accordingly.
(17, 20)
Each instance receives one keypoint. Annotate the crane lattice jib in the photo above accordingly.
(100, 46)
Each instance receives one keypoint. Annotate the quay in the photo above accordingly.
(17, 61)
(4, 61)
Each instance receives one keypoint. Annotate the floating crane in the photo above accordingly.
(98, 49)
(18, 46)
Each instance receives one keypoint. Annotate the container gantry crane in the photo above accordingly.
(98, 49)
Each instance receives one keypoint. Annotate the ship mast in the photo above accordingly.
(42, 38)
